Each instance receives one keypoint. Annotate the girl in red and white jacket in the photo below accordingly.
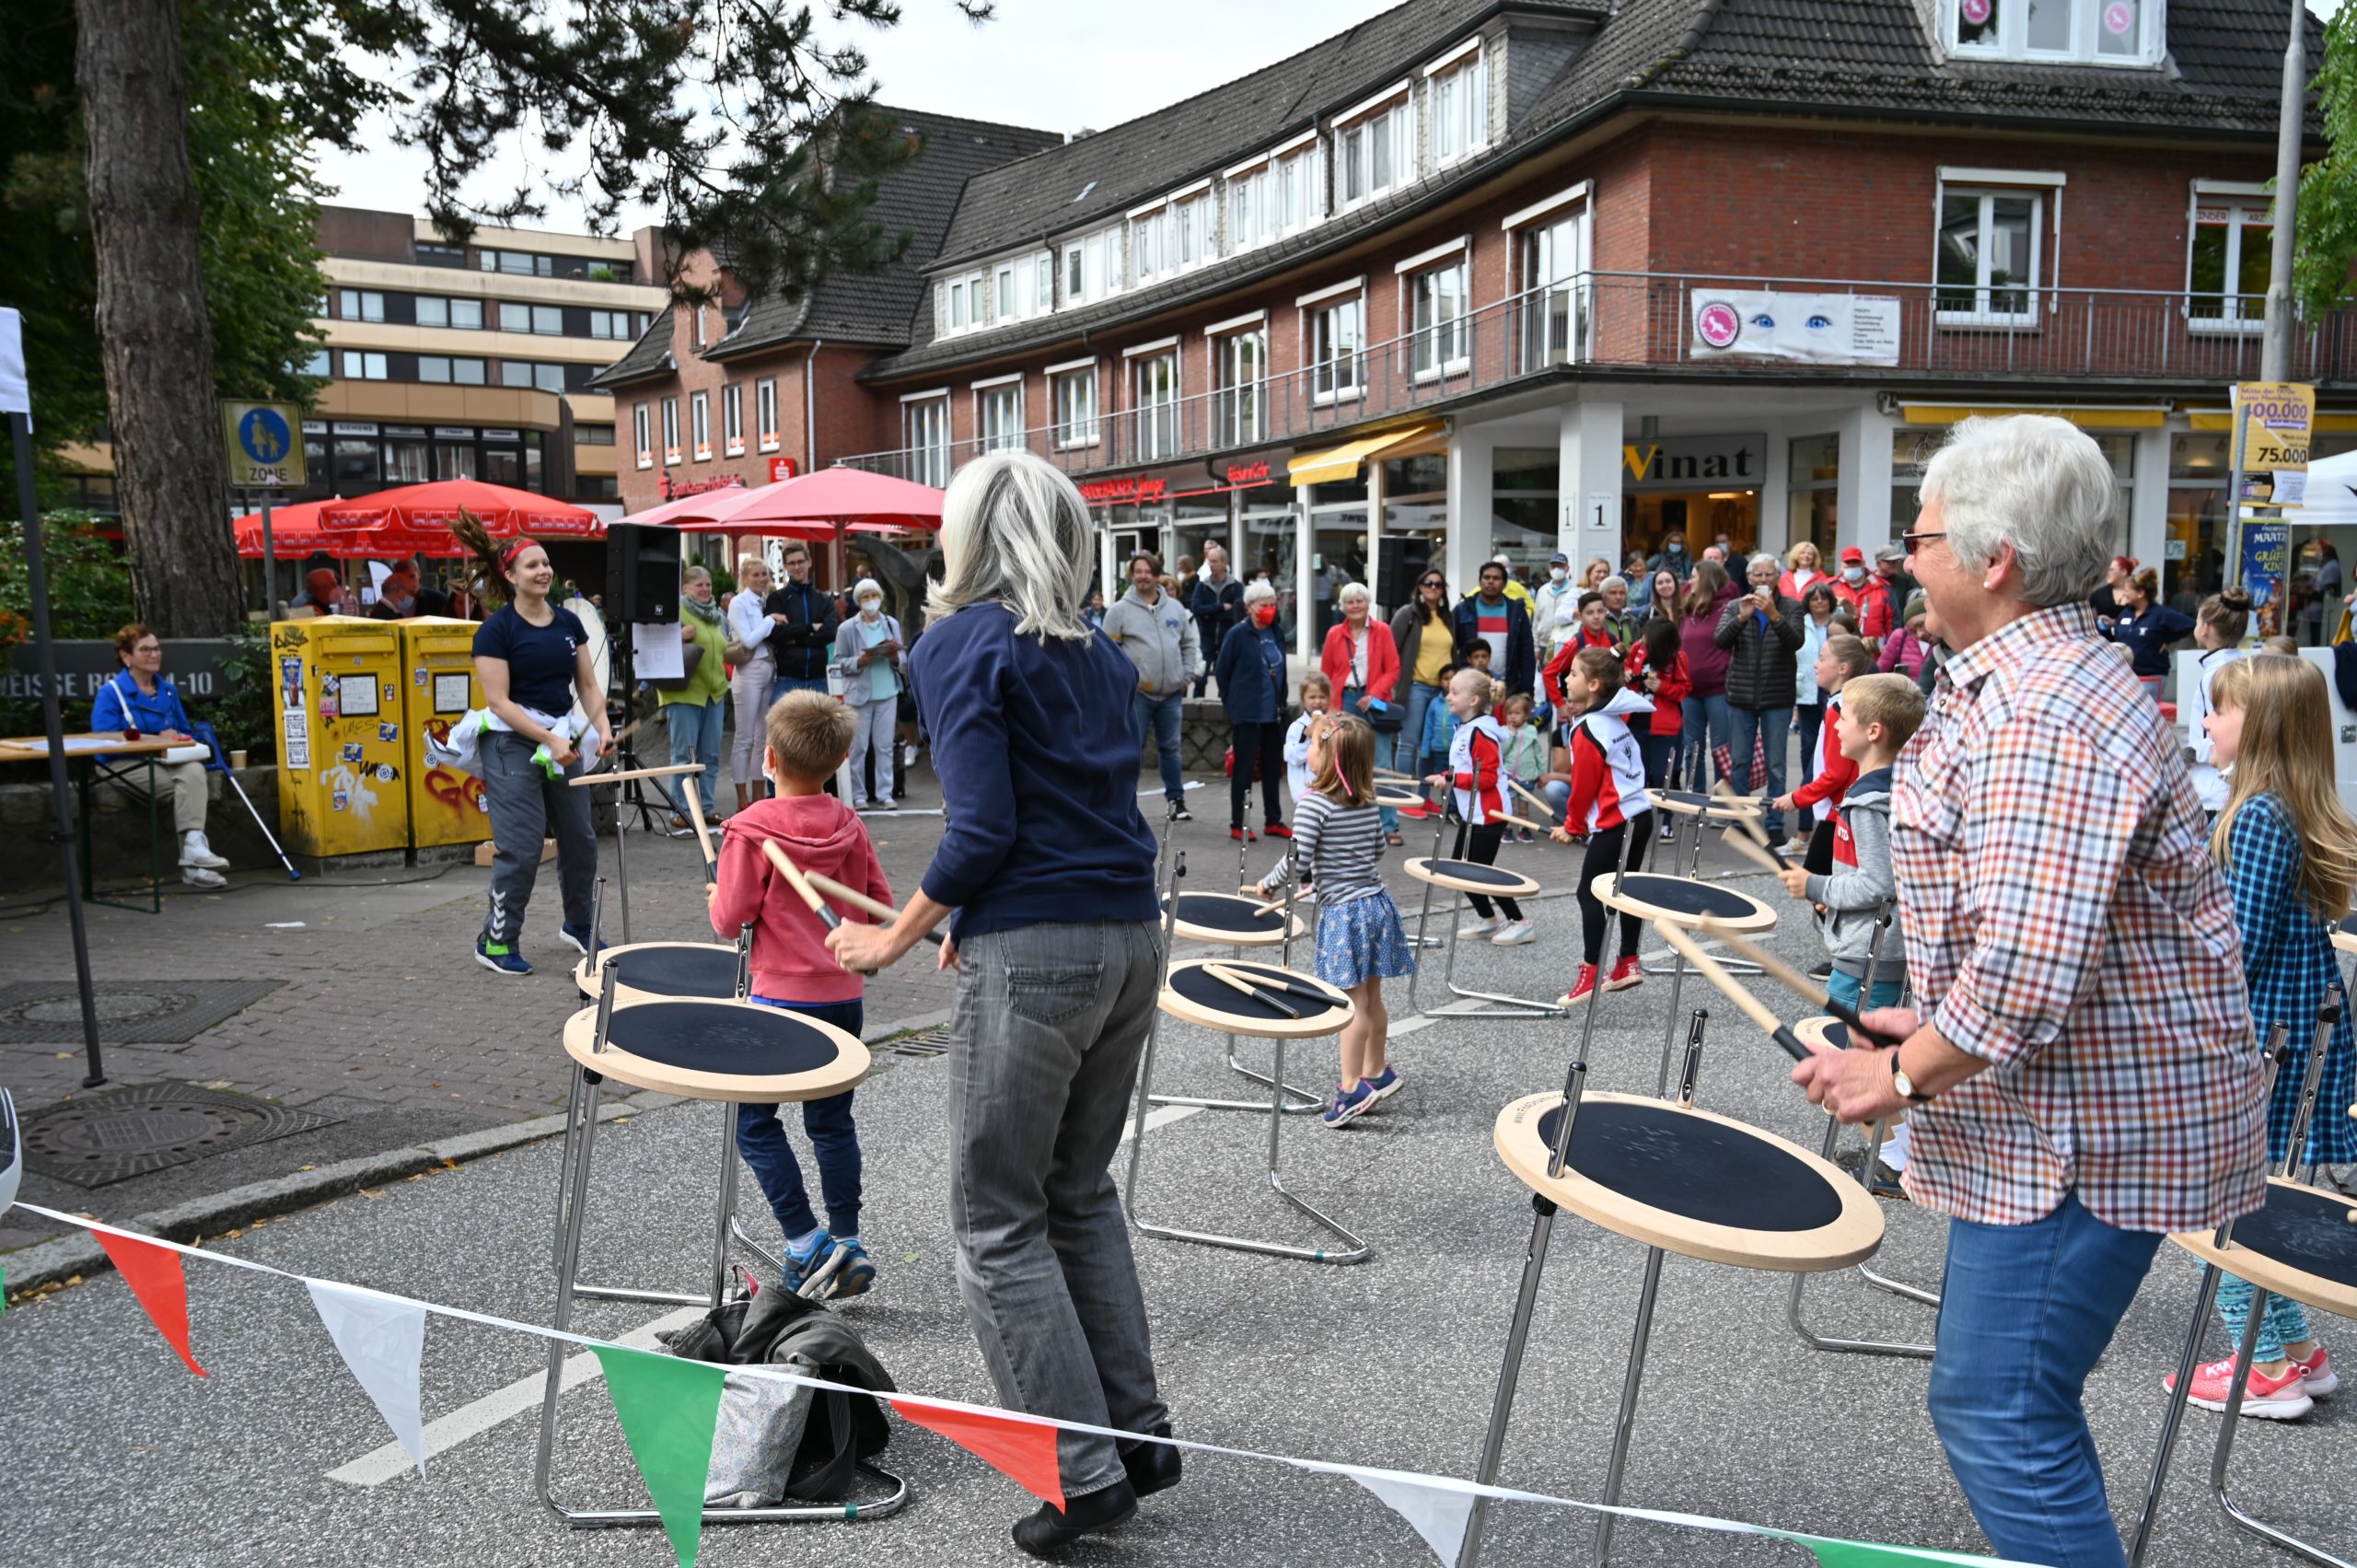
(1591, 631)
(1477, 773)
(1608, 805)
(1842, 659)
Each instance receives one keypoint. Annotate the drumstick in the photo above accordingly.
(1390, 773)
(1228, 976)
(1793, 980)
(663, 772)
(860, 900)
(1746, 820)
(800, 884)
(1281, 982)
(1753, 1008)
(1751, 850)
(1545, 808)
(703, 837)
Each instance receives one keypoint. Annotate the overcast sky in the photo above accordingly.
(1054, 64)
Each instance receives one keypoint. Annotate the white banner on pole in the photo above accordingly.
(16, 391)
(1821, 329)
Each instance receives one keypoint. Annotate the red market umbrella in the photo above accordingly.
(697, 508)
(295, 532)
(425, 511)
(818, 505)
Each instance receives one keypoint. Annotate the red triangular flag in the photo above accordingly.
(155, 1276)
(1022, 1451)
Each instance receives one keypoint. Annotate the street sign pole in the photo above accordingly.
(269, 564)
(2232, 576)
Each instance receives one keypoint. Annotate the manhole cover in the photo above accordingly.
(151, 1012)
(924, 1042)
(92, 1142)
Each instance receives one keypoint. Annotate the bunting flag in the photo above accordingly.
(1438, 1511)
(1022, 1451)
(669, 1409)
(153, 1274)
(381, 1338)
(1832, 1553)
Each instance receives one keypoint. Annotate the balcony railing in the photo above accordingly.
(1646, 322)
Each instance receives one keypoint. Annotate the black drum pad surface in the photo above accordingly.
(1694, 1168)
(1206, 990)
(1689, 797)
(1838, 1033)
(1473, 871)
(742, 1041)
(1222, 912)
(682, 971)
(2308, 1230)
(1686, 896)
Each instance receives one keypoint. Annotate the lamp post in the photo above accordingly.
(2275, 348)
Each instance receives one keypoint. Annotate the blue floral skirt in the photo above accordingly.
(1361, 939)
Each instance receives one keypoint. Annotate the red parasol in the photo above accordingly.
(295, 532)
(831, 500)
(419, 514)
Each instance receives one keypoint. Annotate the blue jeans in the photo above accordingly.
(797, 683)
(1390, 749)
(1843, 988)
(2025, 1313)
(1705, 722)
(834, 1141)
(1773, 726)
(694, 729)
(1808, 718)
(1161, 715)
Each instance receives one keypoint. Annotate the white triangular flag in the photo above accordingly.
(381, 1338)
(1438, 1511)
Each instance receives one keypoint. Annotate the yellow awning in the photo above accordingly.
(2085, 418)
(2218, 419)
(1342, 462)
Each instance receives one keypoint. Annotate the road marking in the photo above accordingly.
(1421, 1021)
(519, 1398)
(523, 1395)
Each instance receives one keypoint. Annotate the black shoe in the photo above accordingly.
(1049, 1532)
(1821, 971)
(1152, 1467)
(1179, 812)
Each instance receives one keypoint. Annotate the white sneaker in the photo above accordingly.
(1479, 930)
(1514, 934)
(200, 877)
(908, 756)
(194, 851)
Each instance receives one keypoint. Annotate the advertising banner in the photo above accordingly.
(1819, 329)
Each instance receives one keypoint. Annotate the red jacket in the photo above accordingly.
(1382, 660)
(818, 833)
(1870, 601)
(1835, 773)
(1568, 650)
(1669, 700)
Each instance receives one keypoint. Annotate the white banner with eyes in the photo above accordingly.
(1820, 328)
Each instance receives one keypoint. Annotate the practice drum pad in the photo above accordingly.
(1232, 919)
(719, 1050)
(2302, 1244)
(1198, 996)
(1400, 799)
(1470, 876)
(1682, 900)
(1692, 1181)
(1694, 802)
(1822, 1031)
(646, 971)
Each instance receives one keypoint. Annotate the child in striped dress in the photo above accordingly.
(2290, 854)
(1338, 835)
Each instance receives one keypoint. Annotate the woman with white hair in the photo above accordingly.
(872, 657)
(1252, 689)
(1049, 868)
(2084, 1080)
(1362, 662)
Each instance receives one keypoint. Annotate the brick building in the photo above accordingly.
(1506, 276)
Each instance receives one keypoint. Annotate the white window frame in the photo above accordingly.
(732, 419)
(924, 433)
(1534, 344)
(1239, 407)
(2044, 192)
(1456, 92)
(1154, 434)
(1437, 362)
(1389, 115)
(671, 430)
(765, 414)
(700, 424)
(364, 365)
(1331, 385)
(1099, 256)
(1074, 429)
(998, 435)
(640, 436)
(2243, 199)
(2012, 40)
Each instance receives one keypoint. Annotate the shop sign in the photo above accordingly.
(701, 486)
(781, 468)
(1691, 463)
(1815, 329)
(1127, 489)
(1254, 472)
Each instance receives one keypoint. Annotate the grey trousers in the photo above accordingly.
(748, 691)
(526, 806)
(1045, 1031)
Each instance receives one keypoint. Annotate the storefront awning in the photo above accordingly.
(2085, 418)
(1342, 462)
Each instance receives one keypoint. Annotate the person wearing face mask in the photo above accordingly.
(396, 600)
(1867, 596)
(1252, 690)
(1554, 612)
(872, 657)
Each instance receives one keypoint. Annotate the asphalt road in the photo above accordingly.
(111, 1453)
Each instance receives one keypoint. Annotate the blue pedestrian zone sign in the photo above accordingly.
(264, 451)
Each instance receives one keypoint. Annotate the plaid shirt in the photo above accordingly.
(2061, 906)
(2288, 952)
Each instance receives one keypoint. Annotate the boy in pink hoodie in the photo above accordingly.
(809, 735)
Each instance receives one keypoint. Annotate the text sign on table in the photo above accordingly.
(263, 444)
(194, 665)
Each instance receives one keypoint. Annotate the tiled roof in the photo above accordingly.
(649, 357)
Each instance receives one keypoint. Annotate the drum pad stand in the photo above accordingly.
(1501, 1007)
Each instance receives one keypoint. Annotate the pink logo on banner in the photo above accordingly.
(1718, 323)
(1977, 11)
(2118, 18)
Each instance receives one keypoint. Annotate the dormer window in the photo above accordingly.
(1460, 101)
(2083, 33)
(1375, 147)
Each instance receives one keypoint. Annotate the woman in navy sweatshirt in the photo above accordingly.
(1252, 690)
(1049, 868)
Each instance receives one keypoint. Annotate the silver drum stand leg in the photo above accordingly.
(1355, 1249)
(1503, 1007)
(1294, 1100)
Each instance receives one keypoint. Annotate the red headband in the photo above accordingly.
(515, 547)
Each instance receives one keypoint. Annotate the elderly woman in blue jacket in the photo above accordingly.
(1252, 690)
(141, 697)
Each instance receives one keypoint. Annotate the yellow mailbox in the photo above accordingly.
(341, 750)
(445, 807)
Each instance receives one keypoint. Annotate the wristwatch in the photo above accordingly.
(1903, 1084)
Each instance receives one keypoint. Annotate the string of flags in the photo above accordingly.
(669, 1407)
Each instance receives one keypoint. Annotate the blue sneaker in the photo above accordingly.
(1385, 1084)
(500, 957)
(578, 938)
(857, 1274)
(1350, 1104)
(811, 1274)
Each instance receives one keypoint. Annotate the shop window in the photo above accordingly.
(732, 419)
(638, 441)
(700, 424)
(1153, 395)
(924, 427)
(998, 416)
(765, 412)
(407, 462)
(454, 459)
(2086, 32)
(2227, 270)
(1337, 333)
(1989, 256)
(502, 465)
(1240, 367)
(1075, 396)
(355, 463)
(1441, 321)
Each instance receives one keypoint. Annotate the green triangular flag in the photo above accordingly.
(669, 1407)
(1832, 1553)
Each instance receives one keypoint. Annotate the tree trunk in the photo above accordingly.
(153, 329)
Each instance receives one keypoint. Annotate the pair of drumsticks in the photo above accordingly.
(1544, 809)
(1265, 988)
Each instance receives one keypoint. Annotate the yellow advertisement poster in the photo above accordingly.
(2275, 418)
